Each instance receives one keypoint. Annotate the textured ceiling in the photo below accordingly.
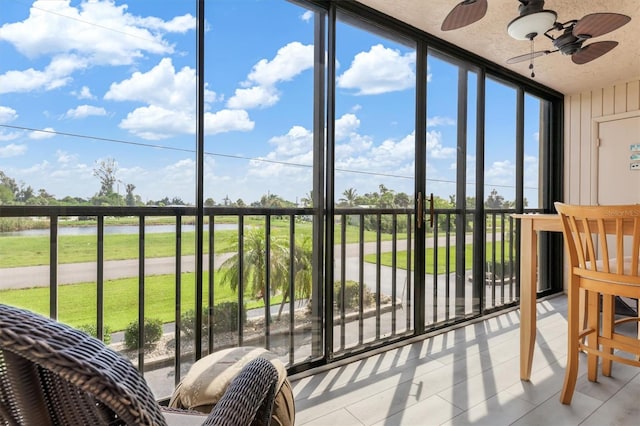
(488, 38)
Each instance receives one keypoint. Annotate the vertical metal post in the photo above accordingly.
(100, 279)
(199, 174)
(178, 294)
(141, 302)
(53, 267)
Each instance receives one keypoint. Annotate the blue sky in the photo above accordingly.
(116, 79)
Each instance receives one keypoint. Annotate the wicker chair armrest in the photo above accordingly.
(249, 398)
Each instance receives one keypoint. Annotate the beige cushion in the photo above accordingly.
(208, 378)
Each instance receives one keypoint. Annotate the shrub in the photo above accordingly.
(152, 333)
(225, 318)
(92, 330)
(351, 295)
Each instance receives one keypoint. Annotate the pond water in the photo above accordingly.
(116, 229)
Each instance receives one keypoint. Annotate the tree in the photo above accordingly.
(25, 194)
(254, 264)
(307, 200)
(9, 183)
(106, 170)
(130, 198)
(402, 200)
(350, 196)
(6, 195)
(209, 202)
(494, 200)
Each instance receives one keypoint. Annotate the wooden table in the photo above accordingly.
(530, 225)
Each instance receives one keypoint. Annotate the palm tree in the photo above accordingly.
(350, 196)
(302, 275)
(255, 264)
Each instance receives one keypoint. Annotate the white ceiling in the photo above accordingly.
(488, 38)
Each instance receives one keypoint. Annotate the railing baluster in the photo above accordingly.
(211, 298)
(292, 283)
(240, 278)
(394, 271)
(266, 292)
(343, 274)
(409, 268)
(178, 294)
(378, 272)
(447, 277)
(100, 278)
(361, 282)
(53, 267)
(141, 272)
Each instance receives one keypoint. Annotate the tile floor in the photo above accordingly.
(469, 376)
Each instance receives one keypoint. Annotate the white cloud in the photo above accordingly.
(435, 149)
(99, 30)
(501, 173)
(440, 121)
(160, 86)
(96, 33)
(307, 16)
(171, 101)
(65, 158)
(84, 93)
(12, 150)
(155, 122)
(7, 114)
(298, 141)
(290, 61)
(55, 75)
(83, 111)
(380, 70)
(259, 88)
(227, 120)
(254, 97)
(46, 133)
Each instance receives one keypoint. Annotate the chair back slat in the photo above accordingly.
(603, 238)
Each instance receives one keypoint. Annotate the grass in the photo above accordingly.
(33, 251)
(77, 302)
(386, 259)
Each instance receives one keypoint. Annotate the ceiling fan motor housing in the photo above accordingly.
(530, 6)
(568, 43)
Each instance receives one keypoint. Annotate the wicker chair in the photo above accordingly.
(52, 374)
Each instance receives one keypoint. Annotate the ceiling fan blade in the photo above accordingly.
(465, 13)
(529, 56)
(597, 24)
(592, 51)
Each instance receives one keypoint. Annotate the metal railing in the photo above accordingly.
(373, 260)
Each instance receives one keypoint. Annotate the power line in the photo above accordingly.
(87, 22)
(238, 157)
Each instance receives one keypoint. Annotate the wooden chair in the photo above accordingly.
(52, 374)
(603, 244)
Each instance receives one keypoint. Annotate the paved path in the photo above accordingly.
(71, 273)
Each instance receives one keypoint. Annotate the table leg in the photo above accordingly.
(528, 280)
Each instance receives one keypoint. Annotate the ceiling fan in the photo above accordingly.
(533, 20)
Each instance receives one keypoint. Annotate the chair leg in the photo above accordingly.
(571, 371)
(608, 313)
(593, 321)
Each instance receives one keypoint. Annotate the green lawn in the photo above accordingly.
(33, 251)
(77, 302)
(386, 259)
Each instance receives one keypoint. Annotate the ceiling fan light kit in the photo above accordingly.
(526, 27)
(533, 20)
